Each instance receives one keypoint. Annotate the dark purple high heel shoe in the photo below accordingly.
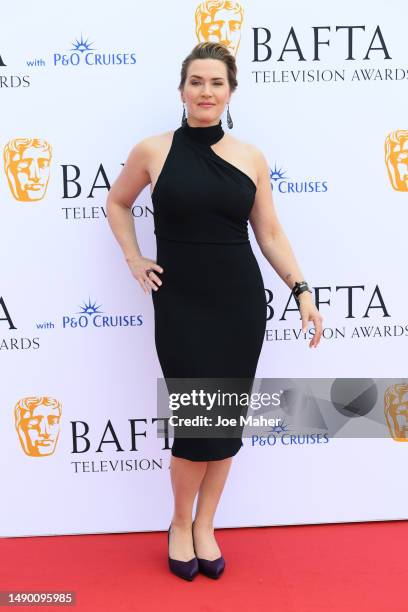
(212, 569)
(184, 569)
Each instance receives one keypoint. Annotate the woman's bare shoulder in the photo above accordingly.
(149, 148)
(248, 150)
(248, 147)
(156, 141)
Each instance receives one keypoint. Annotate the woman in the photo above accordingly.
(208, 295)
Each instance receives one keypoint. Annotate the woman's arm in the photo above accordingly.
(275, 245)
(131, 181)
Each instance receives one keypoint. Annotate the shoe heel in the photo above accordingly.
(183, 569)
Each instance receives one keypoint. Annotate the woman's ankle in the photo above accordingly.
(181, 523)
(203, 524)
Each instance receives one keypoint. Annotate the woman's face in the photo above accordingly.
(206, 91)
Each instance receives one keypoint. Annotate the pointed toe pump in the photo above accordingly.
(212, 569)
(183, 569)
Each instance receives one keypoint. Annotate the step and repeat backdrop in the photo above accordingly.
(323, 93)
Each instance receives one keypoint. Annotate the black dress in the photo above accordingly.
(210, 311)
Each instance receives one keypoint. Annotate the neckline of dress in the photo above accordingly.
(207, 135)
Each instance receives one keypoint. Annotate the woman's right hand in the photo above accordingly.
(139, 267)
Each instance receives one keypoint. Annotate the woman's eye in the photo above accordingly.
(197, 83)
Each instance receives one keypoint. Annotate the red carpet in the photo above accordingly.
(333, 568)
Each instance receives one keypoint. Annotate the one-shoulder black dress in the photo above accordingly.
(210, 311)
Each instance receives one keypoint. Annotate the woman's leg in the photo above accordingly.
(211, 487)
(186, 477)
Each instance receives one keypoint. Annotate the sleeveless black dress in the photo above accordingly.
(210, 311)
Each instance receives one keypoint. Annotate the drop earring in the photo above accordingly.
(229, 120)
(184, 118)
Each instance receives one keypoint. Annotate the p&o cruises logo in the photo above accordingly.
(281, 433)
(286, 185)
(84, 53)
(90, 315)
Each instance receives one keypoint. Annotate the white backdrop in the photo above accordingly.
(91, 82)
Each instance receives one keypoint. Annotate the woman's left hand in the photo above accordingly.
(309, 312)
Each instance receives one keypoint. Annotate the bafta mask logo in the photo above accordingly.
(396, 159)
(37, 421)
(27, 166)
(396, 411)
(220, 21)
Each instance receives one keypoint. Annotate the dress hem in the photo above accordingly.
(212, 459)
